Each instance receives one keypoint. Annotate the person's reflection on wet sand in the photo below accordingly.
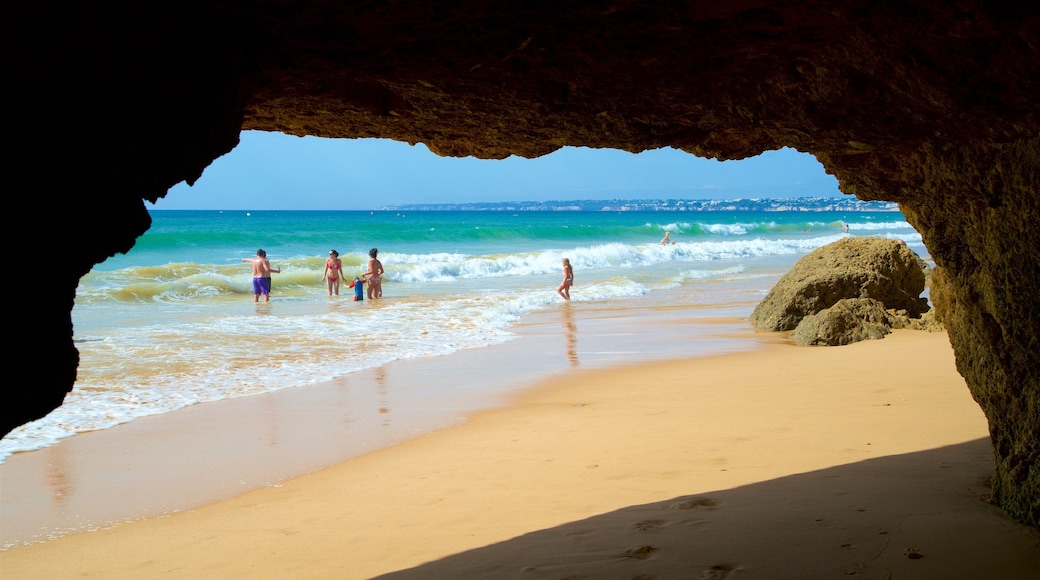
(572, 335)
(381, 390)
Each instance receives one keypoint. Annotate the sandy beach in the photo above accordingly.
(869, 460)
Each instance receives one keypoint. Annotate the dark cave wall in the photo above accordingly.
(979, 234)
(930, 104)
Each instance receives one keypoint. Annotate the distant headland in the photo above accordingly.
(665, 205)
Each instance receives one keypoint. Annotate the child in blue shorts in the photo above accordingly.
(359, 288)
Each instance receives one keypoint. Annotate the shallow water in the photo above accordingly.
(172, 323)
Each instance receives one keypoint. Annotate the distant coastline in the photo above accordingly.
(662, 205)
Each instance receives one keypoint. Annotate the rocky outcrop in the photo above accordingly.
(851, 290)
(882, 270)
(927, 321)
(929, 104)
(849, 320)
(854, 319)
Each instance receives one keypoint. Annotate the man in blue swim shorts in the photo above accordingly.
(261, 275)
(262, 286)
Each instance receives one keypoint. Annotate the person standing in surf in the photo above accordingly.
(374, 275)
(564, 289)
(333, 272)
(261, 275)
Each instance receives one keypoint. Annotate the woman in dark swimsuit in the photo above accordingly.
(333, 272)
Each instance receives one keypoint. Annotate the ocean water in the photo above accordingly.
(172, 323)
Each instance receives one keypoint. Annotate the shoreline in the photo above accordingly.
(169, 463)
(786, 462)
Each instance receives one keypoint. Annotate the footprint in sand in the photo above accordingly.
(718, 572)
(640, 552)
(646, 526)
(694, 503)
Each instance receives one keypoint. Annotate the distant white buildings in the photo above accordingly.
(846, 203)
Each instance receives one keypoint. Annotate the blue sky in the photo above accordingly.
(276, 171)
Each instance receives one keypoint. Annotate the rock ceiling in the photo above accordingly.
(930, 104)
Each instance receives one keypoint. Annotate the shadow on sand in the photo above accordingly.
(919, 515)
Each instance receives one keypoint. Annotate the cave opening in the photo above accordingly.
(181, 295)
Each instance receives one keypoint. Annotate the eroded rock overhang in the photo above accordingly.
(930, 104)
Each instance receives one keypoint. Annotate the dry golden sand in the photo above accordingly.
(869, 460)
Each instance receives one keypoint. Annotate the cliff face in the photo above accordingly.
(930, 104)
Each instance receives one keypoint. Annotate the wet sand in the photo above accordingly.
(869, 460)
(203, 453)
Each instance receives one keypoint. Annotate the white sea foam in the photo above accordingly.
(879, 226)
(136, 371)
(450, 267)
(727, 229)
(156, 338)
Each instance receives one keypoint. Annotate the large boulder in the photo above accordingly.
(849, 320)
(878, 268)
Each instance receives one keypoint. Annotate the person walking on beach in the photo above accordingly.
(261, 275)
(333, 272)
(564, 288)
(374, 275)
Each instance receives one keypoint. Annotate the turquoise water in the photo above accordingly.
(172, 323)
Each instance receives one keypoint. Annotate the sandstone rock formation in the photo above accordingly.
(847, 321)
(930, 104)
(851, 320)
(881, 269)
(926, 321)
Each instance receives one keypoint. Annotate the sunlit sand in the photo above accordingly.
(869, 460)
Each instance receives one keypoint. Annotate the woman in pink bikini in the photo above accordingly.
(333, 272)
